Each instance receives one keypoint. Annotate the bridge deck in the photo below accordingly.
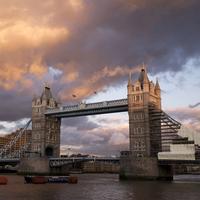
(62, 161)
(82, 109)
(178, 162)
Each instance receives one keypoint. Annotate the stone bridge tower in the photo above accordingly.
(144, 102)
(45, 130)
(144, 133)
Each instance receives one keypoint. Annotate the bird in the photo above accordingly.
(195, 105)
(95, 92)
(73, 95)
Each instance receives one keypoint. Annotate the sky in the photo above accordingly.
(88, 48)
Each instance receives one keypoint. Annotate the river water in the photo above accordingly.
(102, 187)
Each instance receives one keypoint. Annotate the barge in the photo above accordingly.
(50, 179)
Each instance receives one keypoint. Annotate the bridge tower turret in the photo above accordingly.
(45, 130)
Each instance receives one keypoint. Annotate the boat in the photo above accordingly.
(51, 179)
(58, 179)
(35, 179)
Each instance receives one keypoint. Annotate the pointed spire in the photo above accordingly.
(46, 85)
(143, 78)
(157, 84)
(129, 79)
(46, 92)
(34, 97)
(143, 66)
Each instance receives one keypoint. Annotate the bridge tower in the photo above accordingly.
(144, 95)
(45, 129)
(144, 98)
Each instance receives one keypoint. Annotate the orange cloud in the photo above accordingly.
(21, 34)
(10, 75)
(22, 46)
(37, 68)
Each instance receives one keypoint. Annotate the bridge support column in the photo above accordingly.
(40, 166)
(144, 168)
(34, 166)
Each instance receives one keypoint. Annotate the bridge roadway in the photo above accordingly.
(120, 105)
(56, 162)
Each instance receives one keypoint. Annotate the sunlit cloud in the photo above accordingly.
(20, 35)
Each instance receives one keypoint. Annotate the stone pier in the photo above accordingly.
(143, 168)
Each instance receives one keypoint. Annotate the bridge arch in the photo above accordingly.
(49, 151)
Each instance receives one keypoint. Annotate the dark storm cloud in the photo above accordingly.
(163, 34)
(81, 123)
(14, 106)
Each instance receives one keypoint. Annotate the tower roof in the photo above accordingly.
(34, 97)
(129, 79)
(143, 77)
(157, 84)
(46, 94)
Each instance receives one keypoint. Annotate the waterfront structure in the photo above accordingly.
(45, 130)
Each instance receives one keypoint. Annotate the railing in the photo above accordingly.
(55, 162)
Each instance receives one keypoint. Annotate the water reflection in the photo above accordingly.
(101, 187)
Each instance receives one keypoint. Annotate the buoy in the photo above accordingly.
(3, 180)
(73, 180)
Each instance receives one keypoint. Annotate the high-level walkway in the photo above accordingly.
(120, 105)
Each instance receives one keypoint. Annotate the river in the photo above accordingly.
(102, 187)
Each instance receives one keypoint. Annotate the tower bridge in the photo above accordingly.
(151, 130)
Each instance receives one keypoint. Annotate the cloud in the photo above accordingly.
(87, 136)
(97, 82)
(188, 116)
(82, 38)
(2, 127)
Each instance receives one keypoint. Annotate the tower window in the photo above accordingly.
(137, 88)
